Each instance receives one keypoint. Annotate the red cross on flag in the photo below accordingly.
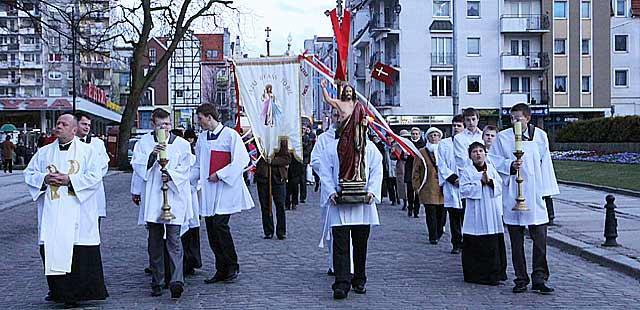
(384, 73)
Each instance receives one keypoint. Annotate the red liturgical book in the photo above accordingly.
(218, 161)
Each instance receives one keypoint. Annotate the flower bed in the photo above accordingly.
(617, 158)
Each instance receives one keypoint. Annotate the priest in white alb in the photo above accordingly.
(539, 178)
(221, 159)
(350, 220)
(484, 259)
(63, 178)
(149, 178)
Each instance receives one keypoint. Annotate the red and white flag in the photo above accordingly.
(384, 73)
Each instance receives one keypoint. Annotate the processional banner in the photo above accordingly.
(270, 94)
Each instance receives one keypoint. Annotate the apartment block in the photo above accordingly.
(625, 57)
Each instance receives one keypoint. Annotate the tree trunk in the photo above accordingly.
(126, 124)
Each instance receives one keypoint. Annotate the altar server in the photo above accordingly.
(537, 171)
(221, 159)
(484, 259)
(150, 178)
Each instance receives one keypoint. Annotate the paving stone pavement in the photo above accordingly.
(404, 271)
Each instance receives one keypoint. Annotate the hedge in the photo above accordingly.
(602, 130)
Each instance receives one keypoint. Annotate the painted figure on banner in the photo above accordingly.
(351, 131)
(271, 109)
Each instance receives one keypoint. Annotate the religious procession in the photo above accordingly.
(301, 204)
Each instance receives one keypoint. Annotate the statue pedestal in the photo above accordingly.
(352, 193)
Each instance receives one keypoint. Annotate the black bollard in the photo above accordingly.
(610, 223)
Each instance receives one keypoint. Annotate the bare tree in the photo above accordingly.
(174, 18)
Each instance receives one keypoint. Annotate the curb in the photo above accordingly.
(597, 254)
(603, 188)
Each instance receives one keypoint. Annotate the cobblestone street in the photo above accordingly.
(404, 271)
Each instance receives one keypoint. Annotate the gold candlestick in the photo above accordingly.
(166, 214)
(520, 204)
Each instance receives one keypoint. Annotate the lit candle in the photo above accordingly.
(517, 128)
(162, 139)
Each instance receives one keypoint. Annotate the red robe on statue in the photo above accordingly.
(352, 135)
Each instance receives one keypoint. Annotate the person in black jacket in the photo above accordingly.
(279, 170)
(412, 197)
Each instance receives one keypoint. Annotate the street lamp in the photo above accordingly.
(397, 8)
(289, 39)
(71, 11)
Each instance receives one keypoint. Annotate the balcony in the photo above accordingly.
(442, 60)
(9, 47)
(102, 82)
(10, 82)
(524, 23)
(31, 65)
(7, 64)
(95, 65)
(31, 47)
(30, 82)
(535, 96)
(532, 61)
(378, 24)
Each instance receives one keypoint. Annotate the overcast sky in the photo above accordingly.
(301, 18)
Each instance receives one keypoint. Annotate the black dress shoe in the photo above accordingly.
(455, 251)
(231, 277)
(176, 290)
(147, 270)
(415, 216)
(520, 288)
(359, 289)
(49, 297)
(339, 294)
(303, 201)
(156, 291)
(330, 272)
(70, 305)
(218, 277)
(282, 237)
(542, 289)
(267, 237)
(433, 241)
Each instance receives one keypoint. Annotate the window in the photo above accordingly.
(586, 84)
(559, 47)
(30, 57)
(473, 46)
(620, 43)
(55, 92)
(124, 79)
(54, 75)
(179, 93)
(441, 85)
(69, 75)
(560, 85)
(586, 46)
(473, 8)
(55, 57)
(145, 119)
(152, 56)
(473, 84)
(621, 8)
(585, 9)
(559, 9)
(620, 78)
(212, 54)
(179, 71)
(441, 51)
(441, 8)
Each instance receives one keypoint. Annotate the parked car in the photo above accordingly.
(132, 143)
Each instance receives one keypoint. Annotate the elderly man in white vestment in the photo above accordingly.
(149, 177)
(63, 178)
(84, 134)
(353, 220)
(539, 177)
(221, 158)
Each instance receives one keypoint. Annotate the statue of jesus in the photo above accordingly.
(351, 131)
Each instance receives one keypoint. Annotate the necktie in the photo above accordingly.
(213, 136)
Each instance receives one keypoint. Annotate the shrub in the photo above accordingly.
(602, 130)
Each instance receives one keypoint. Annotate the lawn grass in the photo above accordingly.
(614, 175)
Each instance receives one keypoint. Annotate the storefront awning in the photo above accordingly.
(58, 104)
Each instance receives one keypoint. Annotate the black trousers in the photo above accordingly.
(342, 260)
(292, 191)
(191, 247)
(538, 234)
(436, 219)
(413, 199)
(221, 243)
(391, 189)
(456, 217)
(8, 165)
(278, 192)
(303, 185)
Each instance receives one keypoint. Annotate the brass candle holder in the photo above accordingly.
(520, 204)
(166, 214)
